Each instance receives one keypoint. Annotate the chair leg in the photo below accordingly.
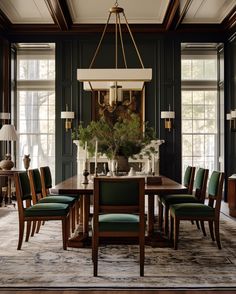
(166, 220)
(197, 224)
(33, 229)
(211, 230)
(141, 253)
(217, 234)
(171, 228)
(28, 229)
(65, 230)
(160, 214)
(203, 228)
(39, 225)
(21, 234)
(95, 256)
(176, 233)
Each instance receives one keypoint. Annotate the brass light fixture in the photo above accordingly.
(168, 116)
(68, 116)
(115, 80)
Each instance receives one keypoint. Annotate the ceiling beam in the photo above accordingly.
(172, 13)
(60, 13)
(4, 21)
(183, 13)
(229, 22)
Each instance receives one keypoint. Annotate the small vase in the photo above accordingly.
(26, 161)
(123, 163)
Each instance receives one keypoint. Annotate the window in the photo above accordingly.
(200, 108)
(36, 107)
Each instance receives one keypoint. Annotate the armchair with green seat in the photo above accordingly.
(199, 211)
(188, 183)
(29, 213)
(118, 213)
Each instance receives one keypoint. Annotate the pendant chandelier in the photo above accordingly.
(115, 80)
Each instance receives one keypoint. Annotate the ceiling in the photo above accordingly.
(61, 16)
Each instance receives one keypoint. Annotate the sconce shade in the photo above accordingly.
(228, 116)
(233, 114)
(8, 133)
(167, 114)
(68, 114)
(5, 115)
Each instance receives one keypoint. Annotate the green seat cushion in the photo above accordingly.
(168, 200)
(47, 209)
(58, 199)
(192, 210)
(118, 222)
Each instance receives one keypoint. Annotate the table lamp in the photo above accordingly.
(7, 133)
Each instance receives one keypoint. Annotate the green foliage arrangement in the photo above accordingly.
(125, 137)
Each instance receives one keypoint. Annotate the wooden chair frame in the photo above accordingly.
(213, 201)
(65, 219)
(98, 209)
(162, 208)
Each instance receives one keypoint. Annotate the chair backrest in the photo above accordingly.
(23, 191)
(215, 188)
(46, 179)
(35, 184)
(189, 178)
(200, 184)
(118, 195)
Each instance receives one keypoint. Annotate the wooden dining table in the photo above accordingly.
(74, 185)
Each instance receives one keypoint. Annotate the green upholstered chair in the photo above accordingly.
(199, 211)
(46, 182)
(188, 183)
(38, 197)
(38, 212)
(200, 185)
(118, 212)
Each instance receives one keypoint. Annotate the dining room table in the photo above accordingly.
(75, 185)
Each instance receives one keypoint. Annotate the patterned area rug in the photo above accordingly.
(43, 263)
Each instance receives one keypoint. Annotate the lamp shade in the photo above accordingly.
(8, 133)
(233, 113)
(5, 115)
(167, 114)
(228, 116)
(67, 114)
(101, 79)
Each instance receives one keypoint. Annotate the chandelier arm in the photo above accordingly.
(121, 41)
(116, 36)
(99, 99)
(135, 46)
(100, 42)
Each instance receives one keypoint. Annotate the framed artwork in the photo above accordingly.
(132, 102)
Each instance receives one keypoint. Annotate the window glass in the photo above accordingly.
(36, 109)
(199, 112)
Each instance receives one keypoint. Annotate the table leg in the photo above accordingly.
(86, 210)
(151, 216)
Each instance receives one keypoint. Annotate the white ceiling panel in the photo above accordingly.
(26, 11)
(208, 11)
(137, 11)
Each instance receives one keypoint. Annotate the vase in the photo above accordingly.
(26, 161)
(7, 163)
(122, 163)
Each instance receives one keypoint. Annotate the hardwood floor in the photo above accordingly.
(118, 291)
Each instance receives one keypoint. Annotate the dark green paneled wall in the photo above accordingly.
(159, 51)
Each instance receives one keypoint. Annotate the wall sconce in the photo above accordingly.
(168, 116)
(232, 119)
(68, 116)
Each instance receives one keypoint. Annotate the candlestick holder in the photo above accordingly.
(85, 175)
